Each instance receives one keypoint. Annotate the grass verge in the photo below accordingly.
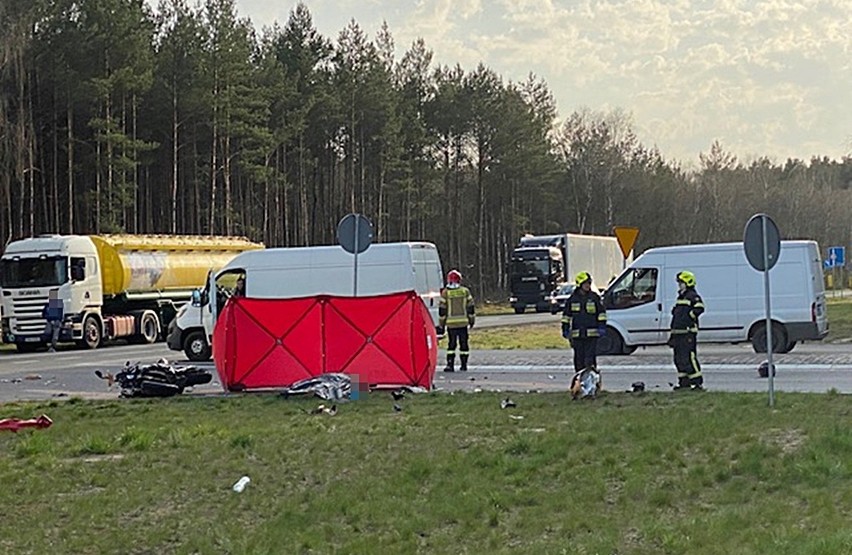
(646, 474)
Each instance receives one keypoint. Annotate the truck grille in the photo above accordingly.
(26, 315)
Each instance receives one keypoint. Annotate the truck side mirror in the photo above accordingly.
(196, 297)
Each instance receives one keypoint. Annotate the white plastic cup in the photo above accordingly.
(241, 484)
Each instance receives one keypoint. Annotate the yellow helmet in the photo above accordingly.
(687, 277)
(582, 278)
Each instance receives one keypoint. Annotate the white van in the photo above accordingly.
(640, 300)
(287, 273)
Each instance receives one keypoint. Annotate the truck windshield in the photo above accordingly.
(530, 267)
(33, 272)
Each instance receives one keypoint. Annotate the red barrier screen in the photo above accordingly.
(272, 343)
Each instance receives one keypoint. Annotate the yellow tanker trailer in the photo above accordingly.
(111, 285)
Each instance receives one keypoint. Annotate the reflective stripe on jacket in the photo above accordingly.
(584, 313)
(456, 308)
(685, 312)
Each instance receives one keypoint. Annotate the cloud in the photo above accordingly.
(762, 76)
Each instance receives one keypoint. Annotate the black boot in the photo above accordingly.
(463, 363)
(451, 362)
(682, 384)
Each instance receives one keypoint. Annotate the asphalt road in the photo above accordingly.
(814, 367)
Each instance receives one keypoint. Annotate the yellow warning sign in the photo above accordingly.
(626, 238)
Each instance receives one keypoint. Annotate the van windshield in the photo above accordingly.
(635, 287)
(45, 271)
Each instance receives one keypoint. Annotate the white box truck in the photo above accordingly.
(640, 300)
(112, 286)
(287, 273)
(541, 264)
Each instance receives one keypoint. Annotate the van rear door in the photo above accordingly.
(819, 314)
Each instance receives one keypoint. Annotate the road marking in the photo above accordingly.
(651, 366)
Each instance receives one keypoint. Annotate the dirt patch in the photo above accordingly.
(788, 441)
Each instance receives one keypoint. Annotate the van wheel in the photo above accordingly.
(779, 338)
(92, 333)
(789, 347)
(611, 343)
(519, 309)
(195, 346)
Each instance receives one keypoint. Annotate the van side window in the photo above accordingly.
(635, 288)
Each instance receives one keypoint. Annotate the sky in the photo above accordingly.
(763, 78)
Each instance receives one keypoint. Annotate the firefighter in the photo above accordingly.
(687, 308)
(583, 322)
(456, 313)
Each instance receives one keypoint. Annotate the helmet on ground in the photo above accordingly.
(688, 278)
(454, 276)
(582, 278)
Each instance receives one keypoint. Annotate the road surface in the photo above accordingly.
(814, 367)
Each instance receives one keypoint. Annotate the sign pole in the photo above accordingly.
(771, 369)
(355, 272)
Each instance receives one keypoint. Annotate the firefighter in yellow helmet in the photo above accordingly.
(583, 322)
(456, 313)
(685, 312)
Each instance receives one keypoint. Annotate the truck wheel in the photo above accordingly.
(92, 333)
(779, 338)
(611, 343)
(519, 309)
(789, 347)
(195, 346)
(148, 328)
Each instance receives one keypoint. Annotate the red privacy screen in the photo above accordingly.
(271, 343)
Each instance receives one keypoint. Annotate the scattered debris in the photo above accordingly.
(241, 484)
(551, 377)
(763, 369)
(477, 390)
(585, 383)
(397, 408)
(32, 377)
(516, 416)
(15, 424)
(507, 403)
(17, 380)
(322, 409)
(61, 394)
(106, 376)
(637, 387)
(398, 395)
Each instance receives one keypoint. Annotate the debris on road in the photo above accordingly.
(507, 403)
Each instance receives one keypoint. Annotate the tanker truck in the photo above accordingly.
(112, 286)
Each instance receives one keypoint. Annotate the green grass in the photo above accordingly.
(839, 319)
(528, 336)
(656, 473)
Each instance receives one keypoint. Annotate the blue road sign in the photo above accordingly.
(836, 257)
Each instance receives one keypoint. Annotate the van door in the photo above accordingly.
(428, 278)
(634, 302)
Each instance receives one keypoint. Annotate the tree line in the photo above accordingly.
(186, 119)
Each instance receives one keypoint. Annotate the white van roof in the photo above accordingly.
(326, 255)
(717, 247)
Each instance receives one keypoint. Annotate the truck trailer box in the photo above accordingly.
(640, 300)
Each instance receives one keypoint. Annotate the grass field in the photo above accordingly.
(709, 473)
